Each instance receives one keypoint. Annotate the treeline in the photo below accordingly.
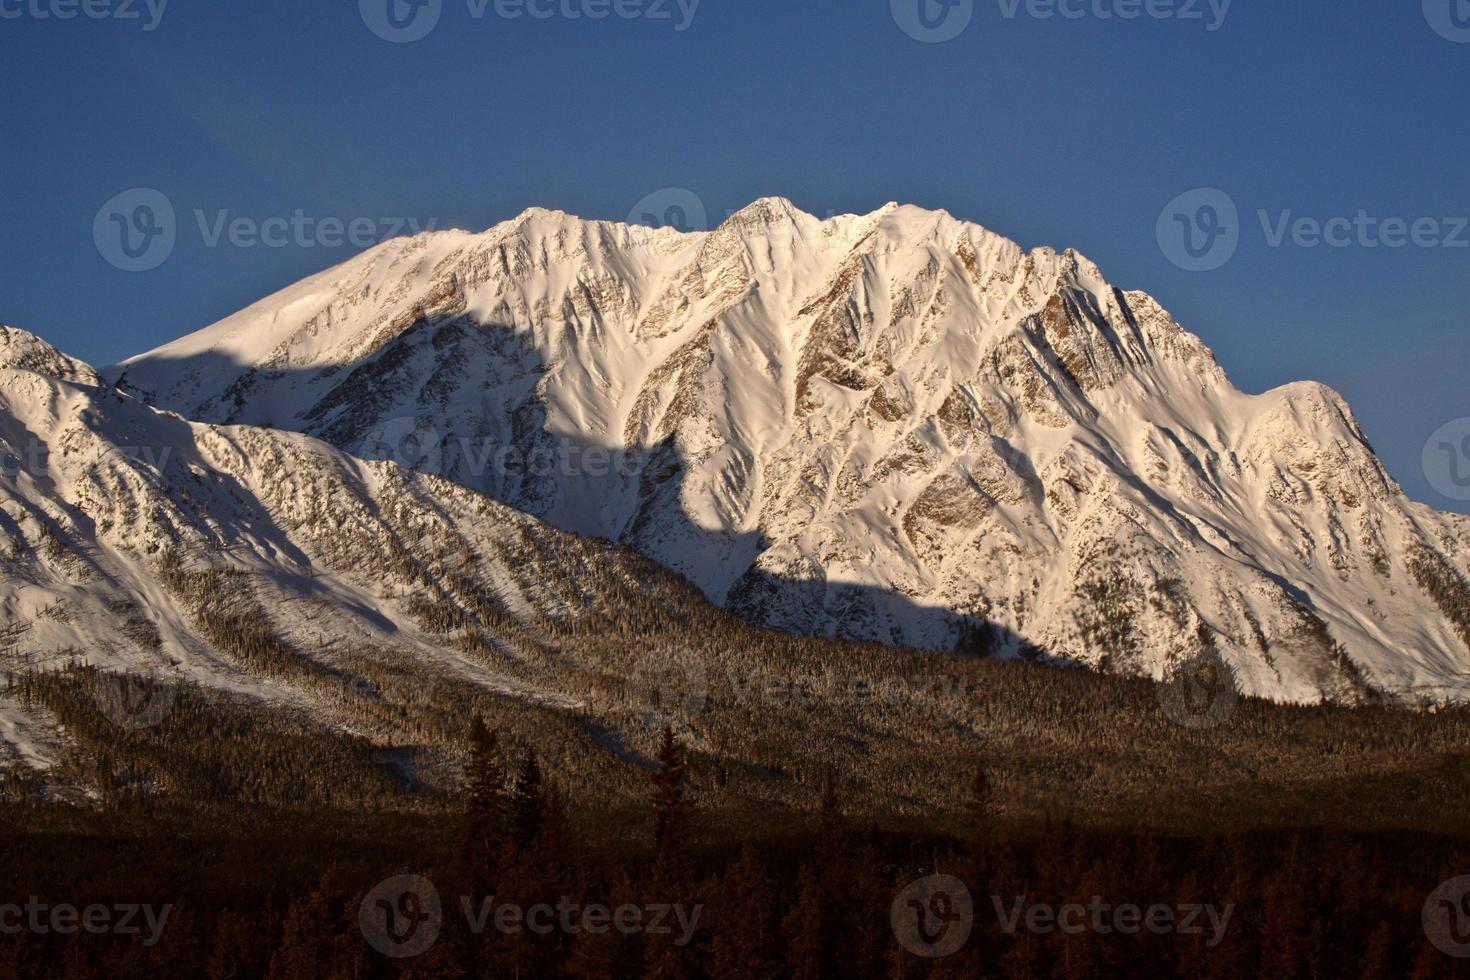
(140, 743)
(764, 718)
(763, 904)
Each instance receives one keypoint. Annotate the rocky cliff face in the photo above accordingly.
(896, 426)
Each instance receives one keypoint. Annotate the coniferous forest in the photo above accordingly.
(232, 841)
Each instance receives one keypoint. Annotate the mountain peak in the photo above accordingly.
(21, 350)
(895, 426)
(767, 211)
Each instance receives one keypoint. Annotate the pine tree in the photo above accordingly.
(981, 807)
(609, 955)
(671, 810)
(865, 931)
(744, 945)
(527, 804)
(231, 954)
(833, 825)
(671, 829)
(803, 930)
(487, 821)
(1284, 930)
(1377, 960)
(306, 940)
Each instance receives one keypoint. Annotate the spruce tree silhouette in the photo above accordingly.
(487, 823)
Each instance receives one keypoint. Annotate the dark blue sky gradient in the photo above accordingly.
(1051, 131)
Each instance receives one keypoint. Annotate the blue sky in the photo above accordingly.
(1065, 130)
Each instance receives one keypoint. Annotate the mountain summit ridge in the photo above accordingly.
(897, 426)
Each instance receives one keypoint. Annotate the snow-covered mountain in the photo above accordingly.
(897, 426)
(267, 563)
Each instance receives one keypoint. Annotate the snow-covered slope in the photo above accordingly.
(265, 563)
(896, 426)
